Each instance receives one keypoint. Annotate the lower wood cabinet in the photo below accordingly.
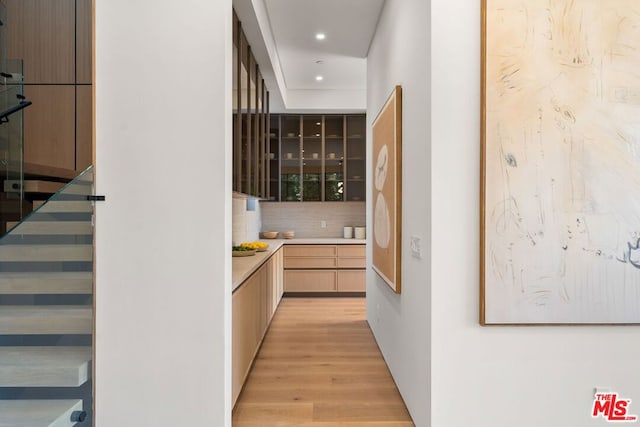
(352, 280)
(310, 281)
(324, 268)
(254, 303)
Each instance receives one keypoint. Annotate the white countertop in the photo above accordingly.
(243, 267)
(321, 241)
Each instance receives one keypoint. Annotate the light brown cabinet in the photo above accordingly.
(310, 281)
(324, 268)
(253, 305)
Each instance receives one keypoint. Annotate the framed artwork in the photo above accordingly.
(560, 208)
(387, 190)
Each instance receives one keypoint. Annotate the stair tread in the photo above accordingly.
(44, 366)
(17, 253)
(45, 319)
(34, 186)
(38, 413)
(52, 227)
(72, 282)
(65, 206)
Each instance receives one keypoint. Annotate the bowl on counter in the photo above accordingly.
(288, 234)
(243, 252)
(269, 234)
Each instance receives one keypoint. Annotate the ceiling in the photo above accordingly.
(282, 36)
(348, 25)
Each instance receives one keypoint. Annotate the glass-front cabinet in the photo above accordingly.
(334, 158)
(312, 158)
(251, 121)
(273, 166)
(356, 157)
(291, 158)
(319, 158)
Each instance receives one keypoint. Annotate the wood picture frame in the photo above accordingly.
(560, 174)
(387, 191)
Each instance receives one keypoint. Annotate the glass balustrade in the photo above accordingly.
(46, 312)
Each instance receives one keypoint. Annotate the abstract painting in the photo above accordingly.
(560, 215)
(387, 194)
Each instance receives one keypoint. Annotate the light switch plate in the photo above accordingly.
(323, 224)
(416, 247)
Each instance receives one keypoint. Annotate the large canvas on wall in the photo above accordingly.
(387, 190)
(560, 212)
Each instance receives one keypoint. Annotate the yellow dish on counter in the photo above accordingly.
(258, 246)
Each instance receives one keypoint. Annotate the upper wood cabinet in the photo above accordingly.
(316, 158)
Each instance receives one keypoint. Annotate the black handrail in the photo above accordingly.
(4, 116)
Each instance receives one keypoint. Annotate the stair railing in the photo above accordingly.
(46, 312)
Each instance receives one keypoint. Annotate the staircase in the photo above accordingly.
(46, 312)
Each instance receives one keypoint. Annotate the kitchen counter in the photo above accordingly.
(243, 267)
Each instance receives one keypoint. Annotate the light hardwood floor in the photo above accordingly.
(319, 366)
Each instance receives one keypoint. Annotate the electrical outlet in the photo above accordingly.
(323, 224)
(416, 247)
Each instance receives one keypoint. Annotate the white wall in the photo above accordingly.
(163, 119)
(401, 323)
(496, 376)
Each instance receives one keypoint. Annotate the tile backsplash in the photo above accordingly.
(246, 223)
(305, 218)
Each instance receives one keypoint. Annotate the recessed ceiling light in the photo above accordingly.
(319, 78)
(318, 123)
(320, 36)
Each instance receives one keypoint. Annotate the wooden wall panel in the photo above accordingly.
(49, 41)
(83, 41)
(49, 126)
(15, 28)
(84, 126)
